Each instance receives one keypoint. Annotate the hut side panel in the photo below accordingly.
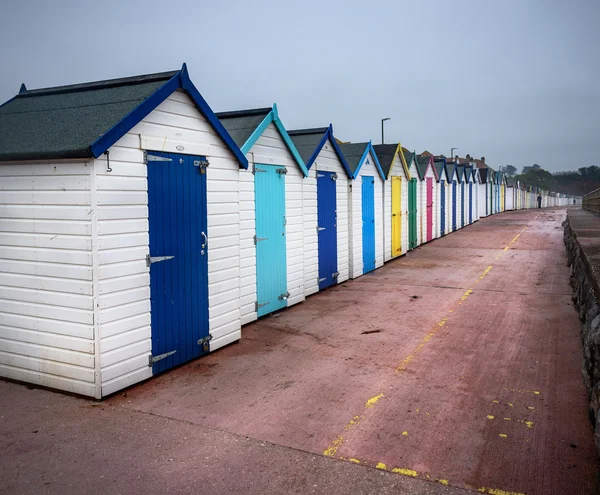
(328, 161)
(47, 334)
(122, 240)
(270, 148)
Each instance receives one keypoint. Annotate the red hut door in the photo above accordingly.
(429, 209)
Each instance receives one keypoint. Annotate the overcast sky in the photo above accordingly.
(516, 81)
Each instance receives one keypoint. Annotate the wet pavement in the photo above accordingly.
(455, 368)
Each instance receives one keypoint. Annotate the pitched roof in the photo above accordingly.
(386, 154)
(84, 120)
(354, 154)
(246, 127)
(511, 182)
(422, 163)
(309, 143)
(241, 124)
(440, 168)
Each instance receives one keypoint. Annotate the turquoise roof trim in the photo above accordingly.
(273, 116)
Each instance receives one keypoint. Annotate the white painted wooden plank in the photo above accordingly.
(57, 198)
(64, 256)
(48, 311)
(46, 269)
(39, 226)
(50, 353)
(46, 366)
(38, 296)
(46, 380)
(27, 239)
(47, 339)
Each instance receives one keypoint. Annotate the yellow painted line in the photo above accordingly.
(489, 416)
(405, 433)
(523, 391)
(373, 400)
(333, 447)
(426, 476)
(502, 435)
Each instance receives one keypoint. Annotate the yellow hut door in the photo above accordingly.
(396, 216)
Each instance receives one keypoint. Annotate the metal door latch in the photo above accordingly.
(156, 259)
(335, 274)
(258, 239)
(255, 170)
(282, 171)
(257, 306)
(284, 296)
(319, 229)
(334, 176)
(204, 342)
(319, 280)
(202, 164)
(153, 359)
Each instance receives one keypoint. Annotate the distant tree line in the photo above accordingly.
(576, 182)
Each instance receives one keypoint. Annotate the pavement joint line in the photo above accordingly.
(336, 443)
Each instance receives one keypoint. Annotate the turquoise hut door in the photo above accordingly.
(271, 277)
(368, 223)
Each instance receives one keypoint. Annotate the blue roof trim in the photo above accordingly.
(209, 115)
(182, 81)
(338, 151)
(329, 135)
(369, 148)
(273, 116)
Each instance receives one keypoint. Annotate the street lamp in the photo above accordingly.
(382, 121)
(452, 153)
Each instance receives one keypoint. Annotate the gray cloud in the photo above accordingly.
(514, 81)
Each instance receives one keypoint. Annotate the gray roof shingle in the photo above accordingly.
(353, 152)
(64, 121)
(385, 155)
(240, 124)
(307, 140)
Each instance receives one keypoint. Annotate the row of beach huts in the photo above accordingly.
(140, 230)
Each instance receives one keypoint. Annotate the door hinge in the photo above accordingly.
(156, 259)
(153, 359)
(255, 170)
(335, 274)
(320, 175)
(152, 158)
(319, 229)
(202, 164)
(284, 296)
(282, 171)
(258, 239)
(319, 280)
(204, 342)
(258, 305)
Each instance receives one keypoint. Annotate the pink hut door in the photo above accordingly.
(429, 209)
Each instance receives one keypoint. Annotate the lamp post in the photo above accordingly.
(452, 153)
(382, 135)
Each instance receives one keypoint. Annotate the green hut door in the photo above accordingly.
(412, 214)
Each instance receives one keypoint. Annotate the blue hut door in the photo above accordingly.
(453, 205)
(178, 258)
(442, 207)
(271, 270)
(368, 223)
(327, 229)
(462, 204)
(470, 202)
